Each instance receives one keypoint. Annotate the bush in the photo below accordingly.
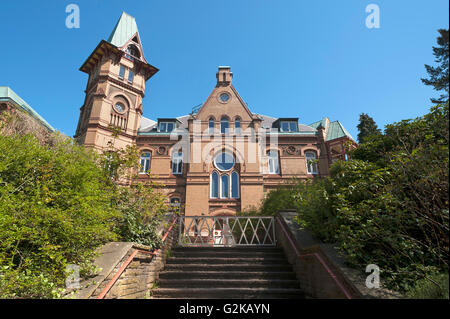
(387, 205)
(434, 287)
(142, 210)
(58, 204)
(55, 209)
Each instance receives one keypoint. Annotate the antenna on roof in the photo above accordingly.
(196, 108)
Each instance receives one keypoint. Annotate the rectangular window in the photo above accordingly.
(311, 164)
(234, 185)
(177, 163)
(122, 72)
(224, 186)
(214, 185)
(288, 126)
(274, 167)
(145, 163)
(130, 76)
(166, 127)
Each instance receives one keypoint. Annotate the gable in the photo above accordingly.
(224, 100)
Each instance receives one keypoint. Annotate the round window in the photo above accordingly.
(224, 97)
(224, 161)
(119, 107)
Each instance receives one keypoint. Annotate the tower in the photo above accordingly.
(118, 72)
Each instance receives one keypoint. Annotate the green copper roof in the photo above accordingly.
(322, 122)
(6, 94)
(336, 130)
(125, 28)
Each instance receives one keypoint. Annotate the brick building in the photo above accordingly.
(217, 160)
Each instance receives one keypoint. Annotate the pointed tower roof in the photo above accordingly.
(124, 30)
(124, 33)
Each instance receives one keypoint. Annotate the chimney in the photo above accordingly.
(224, 76)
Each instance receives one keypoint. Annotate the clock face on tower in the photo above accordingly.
(119, 107)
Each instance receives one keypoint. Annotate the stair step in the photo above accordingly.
(231, 254)
(230, 283)
(228, 267)
(230, 293)
(227, 249)
(180, 274)
(225, 260)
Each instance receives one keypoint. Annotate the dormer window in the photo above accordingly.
(166, 127)
(288, 126)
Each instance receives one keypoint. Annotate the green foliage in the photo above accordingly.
(366, 127)
(439, 75)
(59, 203)
(54, 211)
(281, 198)
(143, 209)
(436, 286)
(388, 205)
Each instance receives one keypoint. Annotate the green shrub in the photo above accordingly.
(55, 209)
(434, 287)
(278, 199)
(387, 205)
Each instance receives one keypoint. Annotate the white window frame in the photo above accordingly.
(146, 159)
(222, 188)
(237, 186)
(313, 166)
(211, 185)
(166, 123)
(289, 126)
(177, 159)
(270, 159)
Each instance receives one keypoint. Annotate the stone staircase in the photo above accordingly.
(225, 272)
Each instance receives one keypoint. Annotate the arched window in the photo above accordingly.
(175, 204)
(214, 185)
(224, 186)
(177, 163)
(145, 162)
(234, 185)
(311, 164)
(224, 125)
(237, 126)
(221, 184)
(211, 125)
(133, 51)
(274, 167)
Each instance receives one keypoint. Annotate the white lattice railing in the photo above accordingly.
(226, 231)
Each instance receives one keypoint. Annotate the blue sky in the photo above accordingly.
(290, 58)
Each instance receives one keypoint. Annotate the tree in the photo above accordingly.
(366, 127)
(439, 76)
